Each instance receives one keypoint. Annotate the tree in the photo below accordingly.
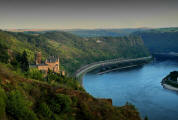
(24, 62)
(19, 107)
(3, 53)
(34, 73)
(3, 99)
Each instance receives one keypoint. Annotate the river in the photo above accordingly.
(139, 86)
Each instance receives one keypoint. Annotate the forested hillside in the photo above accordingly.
(28, 94)
(160, 40)
(28, 99)
(73, 51)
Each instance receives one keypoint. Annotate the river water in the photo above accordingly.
(139, 86)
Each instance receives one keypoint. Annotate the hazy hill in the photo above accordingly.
(160, 40)
(104, 32)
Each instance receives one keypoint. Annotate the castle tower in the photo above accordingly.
(58, 64)
(38, 58)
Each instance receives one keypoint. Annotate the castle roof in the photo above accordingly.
(42, 65)
(52, 59)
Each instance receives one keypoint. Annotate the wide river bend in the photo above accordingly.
(139, 86)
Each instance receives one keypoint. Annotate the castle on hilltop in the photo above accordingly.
(51, 63)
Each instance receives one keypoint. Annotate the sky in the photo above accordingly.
(87, 14)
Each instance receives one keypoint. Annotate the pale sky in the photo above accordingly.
(87, 14)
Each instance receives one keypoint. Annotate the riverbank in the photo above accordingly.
(169, 87)
(171, 81)
(80, 72)
(120, 68)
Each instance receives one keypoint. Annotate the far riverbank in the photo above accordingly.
(169, 87)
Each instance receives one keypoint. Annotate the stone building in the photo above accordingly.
(52, 63)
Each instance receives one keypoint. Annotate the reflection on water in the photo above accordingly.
(140, 86)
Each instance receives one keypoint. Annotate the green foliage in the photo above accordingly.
(18, 107)
(51, 76)
(20, 61)
(24, 62)
(61, 103)
(3, 99)
(45, 110)
(174, 75)
(67, 81)
(34, 73)
(85, 112)
(3, 53)
(171, 79)
(15, 64)
(65, 102)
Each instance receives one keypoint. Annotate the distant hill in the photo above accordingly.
(160, 40)
(74, 51)
(104, 32)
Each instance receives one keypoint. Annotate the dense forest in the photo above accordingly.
(28, 94)
(56, 98)
(73, 51)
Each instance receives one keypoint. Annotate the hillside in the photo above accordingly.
(29, 94)
(160, 40)
(28, 99)
(73, 51)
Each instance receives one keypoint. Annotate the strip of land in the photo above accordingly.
(170, 87)
(80, 72)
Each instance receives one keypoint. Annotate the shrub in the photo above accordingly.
(65, 102)
(74, 100)
(54, 106)
(3, 98)
(85, 113)
(61, 103)
(18, 107)
(45, 110)
(3, 53)
(52, 76)
(35, 74)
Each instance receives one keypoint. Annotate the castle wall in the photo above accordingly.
(43, 68)
(53, 66)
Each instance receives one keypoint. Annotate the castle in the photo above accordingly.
(52, 63)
